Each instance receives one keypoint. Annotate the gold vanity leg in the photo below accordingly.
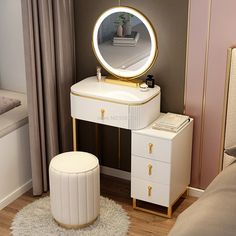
(169, 212)
(74, 134)
(119, 148)
(185, 195)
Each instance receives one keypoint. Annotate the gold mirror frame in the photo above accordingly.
(123, 75)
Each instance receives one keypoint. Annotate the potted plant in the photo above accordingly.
(127, 27)
(119, 24)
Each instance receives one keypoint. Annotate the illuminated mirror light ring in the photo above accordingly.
(153, 53)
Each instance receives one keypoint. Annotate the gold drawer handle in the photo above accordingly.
(150, 146)
(149, 191)
(149, 169)
(102, 114)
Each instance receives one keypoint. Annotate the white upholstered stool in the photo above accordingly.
(74, 189)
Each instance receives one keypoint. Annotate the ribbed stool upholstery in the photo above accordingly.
(74, 189)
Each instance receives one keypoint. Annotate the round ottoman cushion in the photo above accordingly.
(74, 188)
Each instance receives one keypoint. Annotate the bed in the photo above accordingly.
(16, 117)
(14, 150)
(214, 213)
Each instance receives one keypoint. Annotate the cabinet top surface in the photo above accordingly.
(149, 131)
(90, 87)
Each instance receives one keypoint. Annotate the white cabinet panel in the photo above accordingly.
(98, 111)
(150, 170)
(150, 191)
(151, 147)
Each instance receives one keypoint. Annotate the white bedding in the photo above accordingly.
(16, 117)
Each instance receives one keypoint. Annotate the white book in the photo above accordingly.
(123, 40)
(172, 129)
(133, 35)
(171, 120)
(124, 45)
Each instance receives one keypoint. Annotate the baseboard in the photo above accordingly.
(115, 172)
(195, 192)
(15, 194)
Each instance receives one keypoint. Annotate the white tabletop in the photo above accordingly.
(90, 87)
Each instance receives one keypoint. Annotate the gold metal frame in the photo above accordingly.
(154, 58)
(169, 209)
(186, 60)
(203, 107)
(224, 115)
(135, 83)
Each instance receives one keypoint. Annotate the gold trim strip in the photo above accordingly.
(67, 226)
(224, 115)
(107, 100)
(204, 94)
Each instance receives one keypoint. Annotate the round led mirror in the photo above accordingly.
(124, 42)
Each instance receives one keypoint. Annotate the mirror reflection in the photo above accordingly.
(124, 41)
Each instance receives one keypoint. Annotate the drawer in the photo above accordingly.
(150, 192)
(150, 170)
(98, 111)
(151, 147)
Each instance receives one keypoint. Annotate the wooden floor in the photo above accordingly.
(118, 190)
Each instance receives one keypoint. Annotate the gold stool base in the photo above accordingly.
(66, 226)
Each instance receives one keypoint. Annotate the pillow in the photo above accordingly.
(7, 104)
(229, 156)
(231, 151)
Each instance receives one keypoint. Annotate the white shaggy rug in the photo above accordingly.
(35, 219)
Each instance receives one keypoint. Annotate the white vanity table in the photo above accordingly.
(114, 105)
(160, 162)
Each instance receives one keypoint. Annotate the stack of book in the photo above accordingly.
(128, 40)
(171, 122)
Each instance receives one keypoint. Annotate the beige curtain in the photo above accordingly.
(50, 71)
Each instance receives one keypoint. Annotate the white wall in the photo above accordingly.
(12, 60)
(15, 167)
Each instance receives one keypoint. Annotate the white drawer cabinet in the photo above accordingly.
(160, 166)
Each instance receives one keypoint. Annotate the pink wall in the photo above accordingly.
(197, 44)
(206, 69)
(222, 36)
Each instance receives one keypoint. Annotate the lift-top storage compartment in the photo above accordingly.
(114, 105)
